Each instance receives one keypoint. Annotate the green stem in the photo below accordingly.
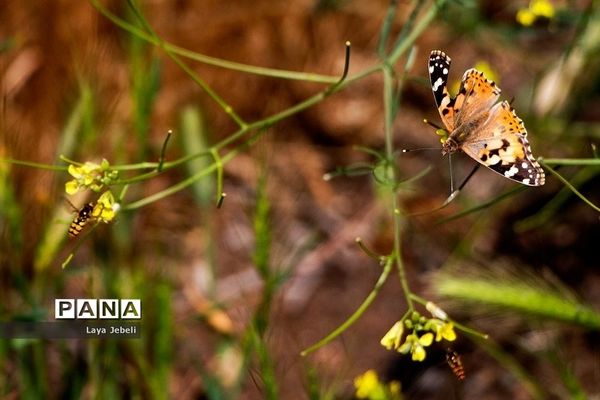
(33, 164)
(181, 185)
(358, 313)
(570, 161)
(568, 184)
(459, 326)
(271, 72)
(416, 32)
(219, 167)
(389, 107)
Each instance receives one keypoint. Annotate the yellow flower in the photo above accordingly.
(442, 330)
(447, 332)
(368, 386)
(84, 176)
(90, 176)
(536, 9)
(525, 17)
(105, 208)
(416, 345)
(392, 338)
(542, 8)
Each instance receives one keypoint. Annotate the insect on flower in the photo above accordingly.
(455, 364)
(83, 216)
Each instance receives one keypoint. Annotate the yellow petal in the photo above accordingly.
(525, 17)
(366, 384)
(107, 214)
(418, 353)
(426, 339)
(392, 338)
(448, 332)
(405, 348)
(106, 199)
(71, 187)
(74, 171)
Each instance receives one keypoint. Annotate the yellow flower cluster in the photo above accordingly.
(105, 208)
(422, 333)
(368, 386)
(90, 176)
(537, 9)
(94, 177)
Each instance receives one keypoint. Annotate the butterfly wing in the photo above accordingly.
(501, 144)
(439, 67)
(476, 96)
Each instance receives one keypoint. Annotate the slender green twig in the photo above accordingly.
(568, 184)
(408, 25)
(483, 206)
(161, 160)
(184, 67)
(219, 167)
(217, 62)
(388, 95)
(357, 314)
(470, 331)
(416, 32)
(368, 251)
(221, 199)
(34, 164)
(572, 161)
(386, 26)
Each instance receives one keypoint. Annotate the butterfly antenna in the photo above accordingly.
(419, 149)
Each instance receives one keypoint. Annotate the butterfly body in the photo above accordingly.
(486, 130)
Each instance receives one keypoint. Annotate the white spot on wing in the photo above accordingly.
(493, 160)
(436, 86)
(511, 172)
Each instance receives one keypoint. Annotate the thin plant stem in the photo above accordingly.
(416, 32)
(184, 67)
(359, 311)
(219, 167)
(570, 161)
(34, 164)
(458, 325)
(388, 96)
(568, 184)
(217, 62)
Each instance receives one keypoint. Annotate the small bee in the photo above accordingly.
(83, 216)
(455, 364)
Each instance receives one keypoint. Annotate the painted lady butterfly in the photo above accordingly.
(489, 132)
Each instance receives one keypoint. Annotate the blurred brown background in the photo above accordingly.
(51, 49)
